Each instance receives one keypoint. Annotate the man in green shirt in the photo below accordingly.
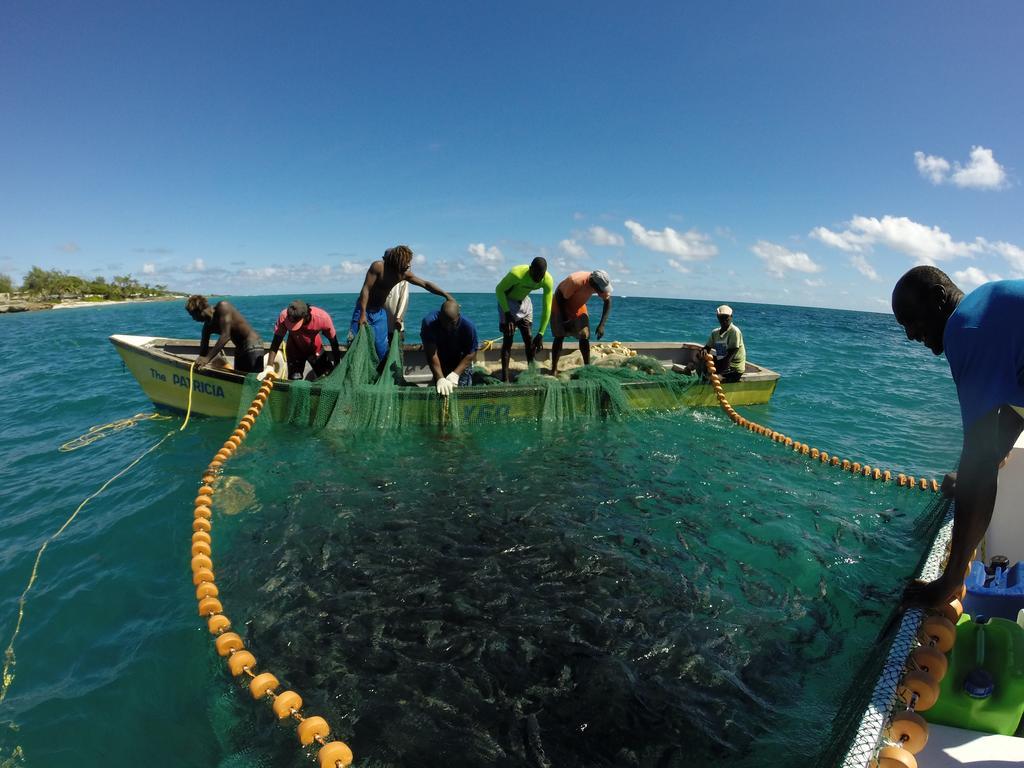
(515, 310)
(726, 344)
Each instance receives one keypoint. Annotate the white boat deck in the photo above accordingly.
(950, 747)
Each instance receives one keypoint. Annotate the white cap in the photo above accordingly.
(725, 309)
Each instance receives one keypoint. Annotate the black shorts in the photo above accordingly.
(322, 364)
(249, 360)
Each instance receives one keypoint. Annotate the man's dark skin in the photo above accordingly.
(538, 268)
(379, 281)
(275, 345)
(722, 363)
(923, 311)
(222, 318)
(582, 327)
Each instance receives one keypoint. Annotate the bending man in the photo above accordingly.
(515, 310)
(983, 337)
(449, 344)
(381, 277)
(303, 325)
(222, 318)
(569, 314)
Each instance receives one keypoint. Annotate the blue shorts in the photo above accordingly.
(378, 320)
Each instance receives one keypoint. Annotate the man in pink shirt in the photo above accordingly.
(303, 325)
(569, 311)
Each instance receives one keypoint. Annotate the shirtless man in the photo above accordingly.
(222, 318)
(381, 277)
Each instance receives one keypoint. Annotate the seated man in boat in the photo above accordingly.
(569, 311)
(515, 310)
(303, 325)
(726, 345)
(982, 335)
(449, 344)
(223, 319)
(381, 277)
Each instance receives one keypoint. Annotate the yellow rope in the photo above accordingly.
(490, 343)
(105, 430)
(9, 658)
(803, 448)
(188, 411)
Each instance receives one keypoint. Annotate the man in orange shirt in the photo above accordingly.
(569, 311)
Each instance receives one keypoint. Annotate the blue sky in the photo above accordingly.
(790, 152)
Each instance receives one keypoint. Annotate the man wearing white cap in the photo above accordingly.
(303, 325)
(569, 311)
(726, 344)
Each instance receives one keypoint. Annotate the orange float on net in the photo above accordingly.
(262, 683)
(312, 727)
(923, 484)
(911, 482)
(834, 461)
(218, 624)
(203, 511)
(855, 468)
(203, 574)
(227, 643)
(201, 524)
(235, 440)
(887, 475)
(201, 548)
(223, 455)
(216, 464)
(240, 434)
(930, 660)
(206, 589)
(806, 449)
(201, 561)
(940, 632)
(205, 490)
(895, 757)
(202, 536)
(209, 478)
(789, 442)
(334, 754)
(285, 702)
(202, 500)
(909, 730)
(240, 661)
(876, 474)
(901, 479)
(920, 685)
(208, 606)
(846, 465)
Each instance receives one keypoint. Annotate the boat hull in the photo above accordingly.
(161, 366)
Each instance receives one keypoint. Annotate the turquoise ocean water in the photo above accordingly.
(659, 592)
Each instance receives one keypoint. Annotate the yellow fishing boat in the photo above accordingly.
(161, 366)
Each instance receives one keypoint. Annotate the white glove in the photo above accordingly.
(453, 377)
(262, 375)
(444, 387)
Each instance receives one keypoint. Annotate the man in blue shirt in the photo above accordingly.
(982, 335)
(449, 343)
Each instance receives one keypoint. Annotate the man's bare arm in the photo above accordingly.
(427, 285)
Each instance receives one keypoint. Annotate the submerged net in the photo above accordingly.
(659, 592)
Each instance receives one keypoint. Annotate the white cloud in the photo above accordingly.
(619, 266)
(981, 172)
(572, 249)
(198, 265)
(352, 268)
(419, 259)
(861, 265)
(926, 245)
(149, 268)
(970, 278)
(490, 258)
(813, 283)
(933, 168)
(1013, 254)
(679, 266)
(777, 259)
(688, 246)
(601, 236)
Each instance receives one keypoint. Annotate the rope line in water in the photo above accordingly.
(105, 430)
(9, 657)
(855, 467)
(286, 704)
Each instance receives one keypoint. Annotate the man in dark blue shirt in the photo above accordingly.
(449, 343)
(982, 335)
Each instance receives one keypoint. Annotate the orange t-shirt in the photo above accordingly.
(576, 289)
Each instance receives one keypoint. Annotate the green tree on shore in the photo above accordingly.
(6, 286)
(55, 284)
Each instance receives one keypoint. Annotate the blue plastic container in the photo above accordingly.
(1001, 594)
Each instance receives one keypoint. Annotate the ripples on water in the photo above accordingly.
(656, 593)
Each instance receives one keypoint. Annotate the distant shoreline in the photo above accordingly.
(12, 307)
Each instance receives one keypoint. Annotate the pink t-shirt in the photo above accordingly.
(576, 289)
(309, 333)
